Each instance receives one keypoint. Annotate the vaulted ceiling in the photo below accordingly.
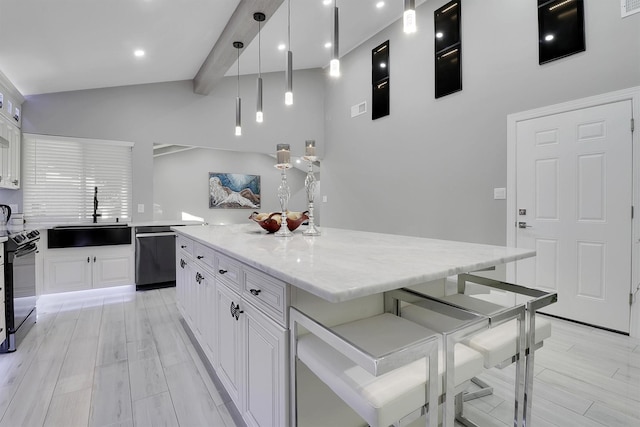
(63, 45)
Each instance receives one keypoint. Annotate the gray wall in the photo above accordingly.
(181, 184)
(429, 168)
(171, 113)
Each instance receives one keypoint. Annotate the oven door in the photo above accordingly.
(23, 289)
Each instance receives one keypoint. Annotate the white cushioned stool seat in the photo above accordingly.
(496, 344)
(384, 399)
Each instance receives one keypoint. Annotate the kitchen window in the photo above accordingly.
(60, 175)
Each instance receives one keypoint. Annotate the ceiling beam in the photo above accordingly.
(241, 27)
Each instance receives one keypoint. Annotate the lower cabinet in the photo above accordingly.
(265, 369)
(228, 348)
(78, 269)
(246, 347)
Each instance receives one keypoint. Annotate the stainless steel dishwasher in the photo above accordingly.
(155, 257)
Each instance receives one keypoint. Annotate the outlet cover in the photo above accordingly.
(140, 207)
(499, 193)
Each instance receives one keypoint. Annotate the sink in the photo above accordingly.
(81, 235)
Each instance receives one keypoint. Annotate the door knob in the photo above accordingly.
(523, 224)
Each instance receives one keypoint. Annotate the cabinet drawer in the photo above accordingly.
(229, 271)
(204, 255)
(266, 293)
(184, 244)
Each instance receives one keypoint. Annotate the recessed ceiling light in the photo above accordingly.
(327, 45)
(327, 2)
(439, 35)
(549, 37)
(282, 46)
(138, 53)
(380, 4)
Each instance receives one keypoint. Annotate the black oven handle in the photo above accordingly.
(29, 249)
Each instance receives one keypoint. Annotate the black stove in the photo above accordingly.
(20, 285)
(19, 238)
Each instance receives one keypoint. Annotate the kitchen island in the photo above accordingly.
(236, 284)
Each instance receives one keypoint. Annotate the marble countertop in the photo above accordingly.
(341, 264)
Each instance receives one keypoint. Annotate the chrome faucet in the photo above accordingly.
(95, 205)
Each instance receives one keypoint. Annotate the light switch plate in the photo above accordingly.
(140, 207)
(499, 193)
(324, 199)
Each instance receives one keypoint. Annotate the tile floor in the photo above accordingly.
(124, 359)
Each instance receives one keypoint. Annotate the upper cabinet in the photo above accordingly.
(10, 135)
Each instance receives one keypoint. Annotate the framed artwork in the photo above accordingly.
(234, 191)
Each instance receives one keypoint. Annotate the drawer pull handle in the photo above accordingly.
(200, 256)
(235, 310)
(222, 271)
(199, 278)
(255, 292)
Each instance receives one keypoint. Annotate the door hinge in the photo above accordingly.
(631, 295)
(633, 124)
(632, 212)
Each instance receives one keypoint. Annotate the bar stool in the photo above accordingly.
(511, 338)
(381, 366)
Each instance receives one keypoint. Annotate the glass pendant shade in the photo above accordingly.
(334, 65)
(288, 95)
(259, 115)
(238, 116)
(409, 16)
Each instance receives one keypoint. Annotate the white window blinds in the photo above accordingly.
(60, 176)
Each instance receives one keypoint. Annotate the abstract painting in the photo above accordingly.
(234, 191)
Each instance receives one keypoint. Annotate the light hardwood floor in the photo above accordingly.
(125, 360)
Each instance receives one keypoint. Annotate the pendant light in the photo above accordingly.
(409, 16)
(288, 95)
(334, 65)
(260, 17)
(238, 46)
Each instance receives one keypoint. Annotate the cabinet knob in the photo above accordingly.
(222, 271)
(88, 259)
(183, 246)
(94, 259)
(15, 182)
(200, 257)
(255, 292)
(182, 263)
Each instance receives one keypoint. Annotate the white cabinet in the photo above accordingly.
(238, 316)
(76, 269)
(228, 347)
(265, 369)
(10, 139)
(10, 135)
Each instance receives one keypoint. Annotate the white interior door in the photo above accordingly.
(574, 196)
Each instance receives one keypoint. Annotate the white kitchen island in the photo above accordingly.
(236, 283)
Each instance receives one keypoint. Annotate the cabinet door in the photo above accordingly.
(67, 272)
(228, 340)
(265, 370)
(206, 315)
(4, 152)
(112, 268)
(181, 278)
(13, 162)
(189, 294)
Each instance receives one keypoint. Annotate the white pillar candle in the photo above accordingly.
(283, 154)
(310, 148)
